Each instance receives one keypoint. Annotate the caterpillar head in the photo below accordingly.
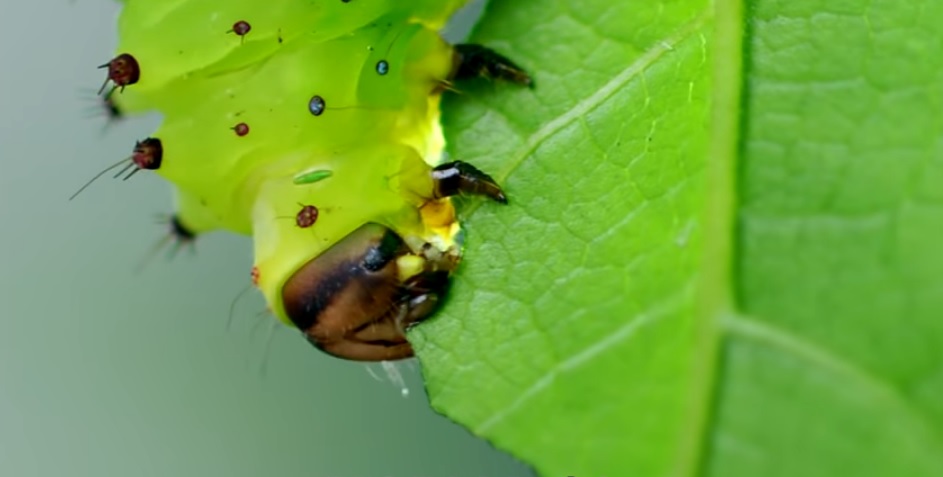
(356, 299)
(353, 271)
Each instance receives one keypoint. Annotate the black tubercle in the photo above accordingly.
(474, 61)
(454, 178)
(112, 111)
(179, 231)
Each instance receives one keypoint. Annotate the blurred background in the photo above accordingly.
(109, 371)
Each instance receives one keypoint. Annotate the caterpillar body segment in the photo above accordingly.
(314, 127)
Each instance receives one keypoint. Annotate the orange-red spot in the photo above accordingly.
(241, 129)
(307, 216)
(241, 27)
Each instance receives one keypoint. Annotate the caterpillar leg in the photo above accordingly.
(355, 300)
(473, 61)
(179, 231)
(177, 236)
(454, 178)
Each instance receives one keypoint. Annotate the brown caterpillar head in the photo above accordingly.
(355, 300)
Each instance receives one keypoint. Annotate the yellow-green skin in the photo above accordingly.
(379, 134)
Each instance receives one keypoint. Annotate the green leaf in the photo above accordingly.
(722, 254)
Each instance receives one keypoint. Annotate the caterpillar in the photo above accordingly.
(314, 127)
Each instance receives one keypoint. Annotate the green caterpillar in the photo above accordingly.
(312, 125)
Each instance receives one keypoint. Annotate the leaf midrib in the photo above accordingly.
(719, 317)
(715, 293)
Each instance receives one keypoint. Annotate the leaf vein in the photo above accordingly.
(800, 347)
(605, 92)
(627, 330)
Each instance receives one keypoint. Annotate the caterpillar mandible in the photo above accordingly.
(326, 111)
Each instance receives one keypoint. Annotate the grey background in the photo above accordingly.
(107, 372)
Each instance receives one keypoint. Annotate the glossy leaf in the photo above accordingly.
(722, 254)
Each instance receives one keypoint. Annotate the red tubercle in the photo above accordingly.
(307, 216)
(148, 153)
(241, 28)
(123, 70)
(241, 129)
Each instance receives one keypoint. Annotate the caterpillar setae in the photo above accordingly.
(322, 111)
